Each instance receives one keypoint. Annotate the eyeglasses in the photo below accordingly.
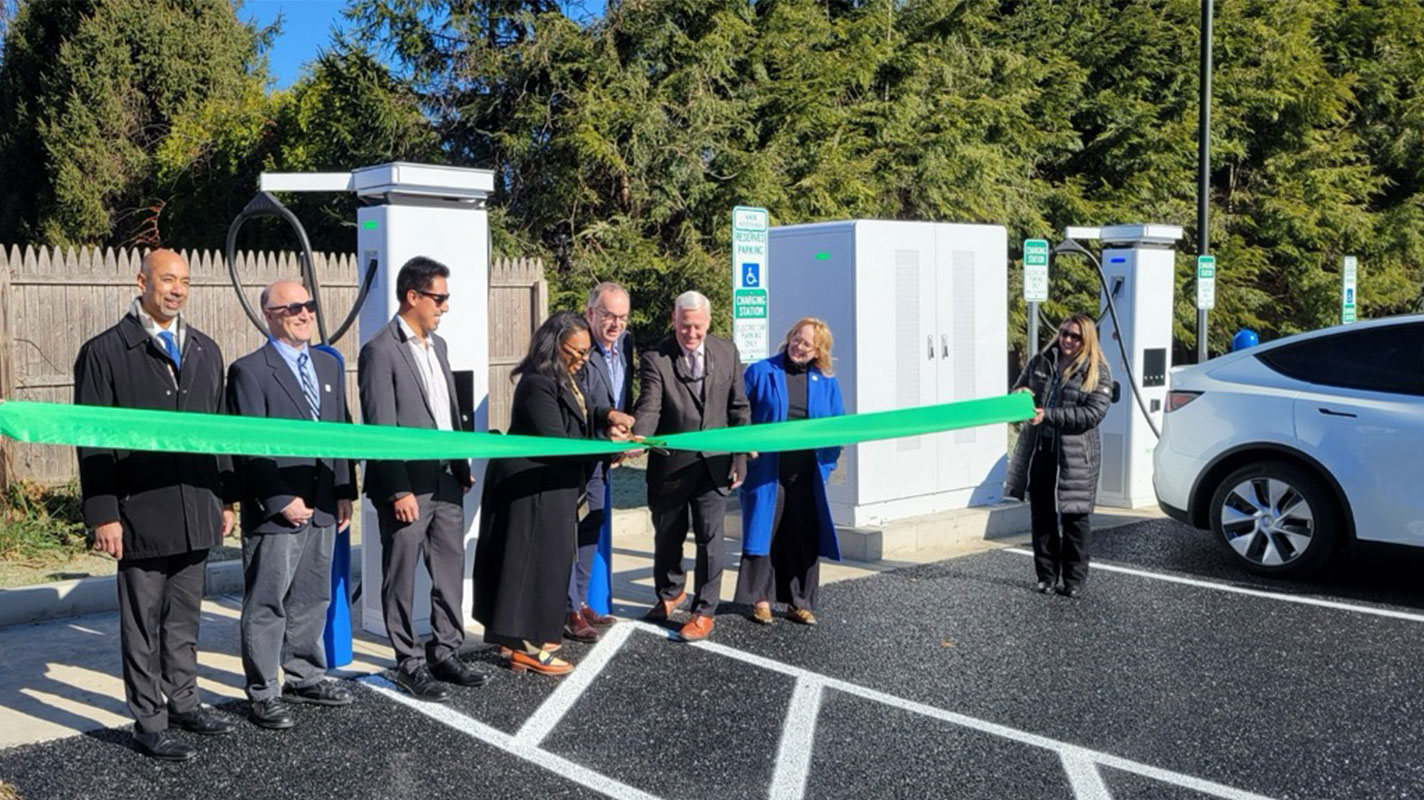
(621, 319)
(294, 309)
(440, 299)
(1070, 336)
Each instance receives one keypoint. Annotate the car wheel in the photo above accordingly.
(1276, 518)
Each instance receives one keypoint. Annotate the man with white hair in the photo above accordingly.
(691, 381)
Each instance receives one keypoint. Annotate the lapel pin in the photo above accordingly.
(327, 387)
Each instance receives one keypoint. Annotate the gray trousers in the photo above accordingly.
(438, 538)
(286, 580)
(159, 603)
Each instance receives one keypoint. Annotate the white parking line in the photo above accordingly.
(1226, 587)
(794, 753)
(558, 765)
(798, 736)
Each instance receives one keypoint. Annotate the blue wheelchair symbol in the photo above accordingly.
(1349, 296)
(751, 274)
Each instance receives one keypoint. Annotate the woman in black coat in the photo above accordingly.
(529, 511)
(1059, 453)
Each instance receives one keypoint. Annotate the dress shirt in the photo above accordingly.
(177, 328)
(292, 356)
(427, 366)
(613, 357)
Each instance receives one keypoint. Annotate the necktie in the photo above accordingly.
(171, 345)
(309, 386)
(694, 363)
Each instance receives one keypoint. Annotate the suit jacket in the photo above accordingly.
(667, 404)
(393, 394)
(261, 384)
(597, 386)
(168, 503)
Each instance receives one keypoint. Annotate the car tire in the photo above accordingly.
(1276, 518)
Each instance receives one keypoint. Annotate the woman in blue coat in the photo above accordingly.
(786, 521)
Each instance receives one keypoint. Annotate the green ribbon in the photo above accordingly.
(186, 432)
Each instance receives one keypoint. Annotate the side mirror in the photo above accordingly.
(1117, 391)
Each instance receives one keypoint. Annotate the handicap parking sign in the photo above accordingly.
(751, 274)
(1349, 297)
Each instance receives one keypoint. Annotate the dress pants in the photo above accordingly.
(438, 537)
(791, 572)
(159, 603)
(589, 529)
(286, 581)
(1055, 554)
(673, 505)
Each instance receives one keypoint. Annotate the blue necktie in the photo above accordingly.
(309, 387)
(171, 345)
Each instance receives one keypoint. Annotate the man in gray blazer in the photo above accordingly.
(608, 382)
(405, 379)
(291, 509)
(691, 381)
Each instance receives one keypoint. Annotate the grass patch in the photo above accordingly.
(41, 524)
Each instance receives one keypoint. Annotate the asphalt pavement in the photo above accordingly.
(1175, 676)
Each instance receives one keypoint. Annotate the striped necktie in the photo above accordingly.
(309, 386)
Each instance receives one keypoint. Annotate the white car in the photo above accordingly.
(1292, 449)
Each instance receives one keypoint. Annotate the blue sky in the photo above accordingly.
(307, 24)
(306, 28)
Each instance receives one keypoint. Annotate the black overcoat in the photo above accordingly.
(169, 503)
(1074, 417)
(529, 519)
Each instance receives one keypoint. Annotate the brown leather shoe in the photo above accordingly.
(596, 619)
(578, 629)
(697, 628)
(761, 614)
(801, 615)
(663, 609)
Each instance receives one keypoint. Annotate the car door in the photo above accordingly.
(1360, 413)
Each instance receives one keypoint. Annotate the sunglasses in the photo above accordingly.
(438, 298)
(295, 308)
(1070, 336)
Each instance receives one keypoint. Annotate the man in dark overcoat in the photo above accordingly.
(157, 513)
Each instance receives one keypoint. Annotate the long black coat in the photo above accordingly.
(529, 519)
(169, 503)
(1074, 418)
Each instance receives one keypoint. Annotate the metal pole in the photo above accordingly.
(1032, 332)
(1204, 162)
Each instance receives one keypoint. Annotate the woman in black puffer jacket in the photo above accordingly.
(1059, 454)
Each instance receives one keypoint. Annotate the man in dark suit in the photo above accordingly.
(405, 379)
(157, 513)
(608, 383)
(291, 509)
(692, 381)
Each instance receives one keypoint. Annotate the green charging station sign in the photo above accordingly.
(1206, 282)
(1349, 269)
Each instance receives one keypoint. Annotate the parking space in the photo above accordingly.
(1175, 676)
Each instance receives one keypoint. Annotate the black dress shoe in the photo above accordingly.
(162, 746)
(203, 720)
(271, 714)
(1045, 587)
(422, 684)
(453, 670)
(1071, 591)
(322, 693)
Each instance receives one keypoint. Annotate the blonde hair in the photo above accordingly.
(821, 336)
(1090, 354)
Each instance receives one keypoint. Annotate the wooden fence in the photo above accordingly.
(51, 302)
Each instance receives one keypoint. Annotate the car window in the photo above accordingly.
(1383, 359)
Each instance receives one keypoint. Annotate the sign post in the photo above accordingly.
(1035, 285)
(1349, 268)
(749, 281)
(1206, 300)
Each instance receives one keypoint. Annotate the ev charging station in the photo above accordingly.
(1138, 269)
(421, 210)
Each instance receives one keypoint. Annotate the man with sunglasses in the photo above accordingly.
(405, 379)
(291, 510)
